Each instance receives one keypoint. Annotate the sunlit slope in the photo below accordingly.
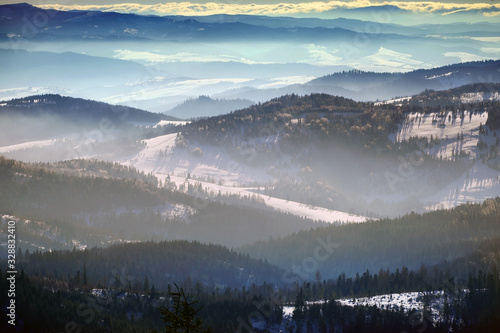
(217, 172)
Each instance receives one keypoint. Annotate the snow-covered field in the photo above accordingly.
(398, 301)
(162, 158)
(286, 206)
(171, 122)
(480, 181)
(479, 97)
(403, 301)
(477, 184)
(406, 302)
(445, 128)
(26, 145)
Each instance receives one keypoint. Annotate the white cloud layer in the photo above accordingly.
(388, 60)
(465, 57)
(320, 56)
(179, 57)
(211, 8)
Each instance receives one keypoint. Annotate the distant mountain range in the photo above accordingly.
(95, 25)
(156, 62)
(43, 117)
(158, 88)
(91, 25)
(68, 69)
(205, 106)
(372, 86)
(167, 262)
(78, 109)
(352, 24)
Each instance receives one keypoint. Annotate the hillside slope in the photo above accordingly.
(410, 240)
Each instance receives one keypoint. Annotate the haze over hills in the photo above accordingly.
(73, 25)
(78, 110)
(237, 52)
(111, 26)
(204, 106)
(282, 148)
(55, 127)
(370, 86)
(398, 12)
(320, 165)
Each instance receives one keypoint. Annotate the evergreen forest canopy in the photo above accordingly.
(99, 203)
(317, 178)
(118, 240)
(101, 282)
(363, 258)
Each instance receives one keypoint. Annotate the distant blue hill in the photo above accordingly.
(205, 106)
(92, 25)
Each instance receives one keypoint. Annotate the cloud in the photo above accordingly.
(465, 57)
(279, 82)
(490, 49)
(179, 57)
(386, 59)
(211, 8)
(174, 88)
(320, 56)
(492, 14)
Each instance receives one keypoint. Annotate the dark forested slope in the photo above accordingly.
(410, 240)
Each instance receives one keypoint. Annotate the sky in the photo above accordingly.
(488, 8)
(153, 2)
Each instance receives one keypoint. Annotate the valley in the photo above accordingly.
(307, 167)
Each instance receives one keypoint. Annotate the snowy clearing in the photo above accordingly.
(296, 208)
(162, 158)
(171, 122)
(405, 301)
(453, 136)
(479, 183)
(26, 145)
(444, 127)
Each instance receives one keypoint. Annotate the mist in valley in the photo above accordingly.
(281, 172)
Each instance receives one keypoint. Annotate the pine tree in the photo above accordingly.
(84, 273)
(183, 316)
(146, 285)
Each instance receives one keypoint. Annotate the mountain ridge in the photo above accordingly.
(372, 86)
(71, 24)
(61, 105)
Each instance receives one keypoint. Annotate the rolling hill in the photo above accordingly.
(372, 86)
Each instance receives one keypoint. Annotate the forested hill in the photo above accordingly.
(297, 120)
(372, 86)
(388, 243)
(161, 264)
(480, 69)
(467, 94)
(44, 191)
(291, 122)
(77, 109)
(478, 96)
(93, 203)
(204, 106)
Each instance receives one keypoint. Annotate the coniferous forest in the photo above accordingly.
(251, 287)
(244, 167)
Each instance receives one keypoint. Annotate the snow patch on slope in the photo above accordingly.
(477, 184)
(26, 145)
(445, 127)
(454, 135)
(404, 301)
(438, 76)
(217, 172)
